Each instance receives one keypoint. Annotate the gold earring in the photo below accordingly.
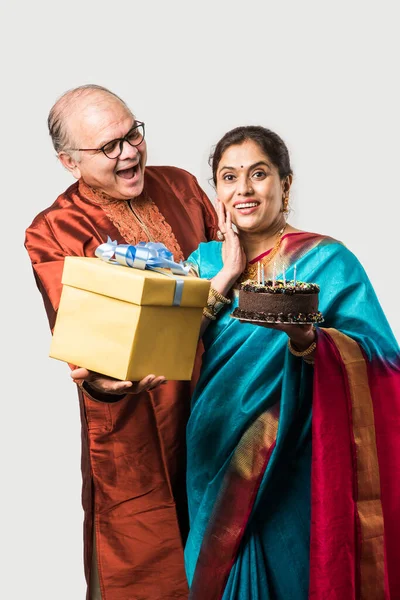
(284, 208)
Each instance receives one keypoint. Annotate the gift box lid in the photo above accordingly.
(136, 286)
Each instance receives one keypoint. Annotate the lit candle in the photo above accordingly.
(274, 274)
(258, 272)
(262, 275)
(294, 275)
(283, 274)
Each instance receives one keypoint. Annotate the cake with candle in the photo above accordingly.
(278, 301)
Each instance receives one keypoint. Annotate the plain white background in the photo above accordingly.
(323, 75)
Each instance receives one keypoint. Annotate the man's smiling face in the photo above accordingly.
(96, 120)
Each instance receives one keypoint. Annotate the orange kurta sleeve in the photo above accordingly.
(47, 257)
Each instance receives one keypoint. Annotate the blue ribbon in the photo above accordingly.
(145, 255)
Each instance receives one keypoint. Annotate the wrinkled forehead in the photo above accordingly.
(97, 118)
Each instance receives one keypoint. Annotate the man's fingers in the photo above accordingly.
(100, 383)
(108, 385)
(118, 387)
(157, 382)
(143, 384)
(80, 373)
(148, 383)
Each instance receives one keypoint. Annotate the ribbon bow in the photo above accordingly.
(144, 255)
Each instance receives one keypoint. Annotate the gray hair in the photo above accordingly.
(57, 119)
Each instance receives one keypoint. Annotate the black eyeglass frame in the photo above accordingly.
(120, 140)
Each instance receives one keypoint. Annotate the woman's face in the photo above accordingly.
(249, 186)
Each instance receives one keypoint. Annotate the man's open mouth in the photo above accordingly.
(128, 173)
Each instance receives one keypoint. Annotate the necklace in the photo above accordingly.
(251, 270)
(140, 221)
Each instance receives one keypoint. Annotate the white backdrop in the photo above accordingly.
(322, 75)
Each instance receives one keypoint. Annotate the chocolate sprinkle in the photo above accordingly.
(289, 288)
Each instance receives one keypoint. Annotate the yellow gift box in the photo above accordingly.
(121, 321)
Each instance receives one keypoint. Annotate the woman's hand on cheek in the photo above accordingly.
(232, 251)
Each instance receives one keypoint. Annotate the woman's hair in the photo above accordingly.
(269, 142)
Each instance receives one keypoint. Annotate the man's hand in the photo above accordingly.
(108, 385)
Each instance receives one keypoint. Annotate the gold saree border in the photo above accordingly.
(233, 507)
(368, 492)
(247, 460)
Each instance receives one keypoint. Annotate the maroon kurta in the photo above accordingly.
(133, 451)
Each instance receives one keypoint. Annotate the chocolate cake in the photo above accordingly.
(279, 302)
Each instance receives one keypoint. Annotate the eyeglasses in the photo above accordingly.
(113, 149)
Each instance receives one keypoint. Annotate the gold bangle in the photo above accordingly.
(219, 296)
(215, 303)
(207, 313)
(305, 352)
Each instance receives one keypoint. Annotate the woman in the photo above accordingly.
(285, 502)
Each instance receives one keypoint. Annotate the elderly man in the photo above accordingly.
(133, 432)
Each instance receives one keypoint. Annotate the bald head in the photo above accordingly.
(71, 104)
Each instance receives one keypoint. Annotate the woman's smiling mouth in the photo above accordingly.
(246, 208)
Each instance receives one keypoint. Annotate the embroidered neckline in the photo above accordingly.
(127, 222)
(96, 196)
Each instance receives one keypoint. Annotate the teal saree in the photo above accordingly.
(274, 484)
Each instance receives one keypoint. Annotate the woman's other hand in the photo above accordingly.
(301, 336)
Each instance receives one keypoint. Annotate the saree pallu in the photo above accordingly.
(293, 471)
